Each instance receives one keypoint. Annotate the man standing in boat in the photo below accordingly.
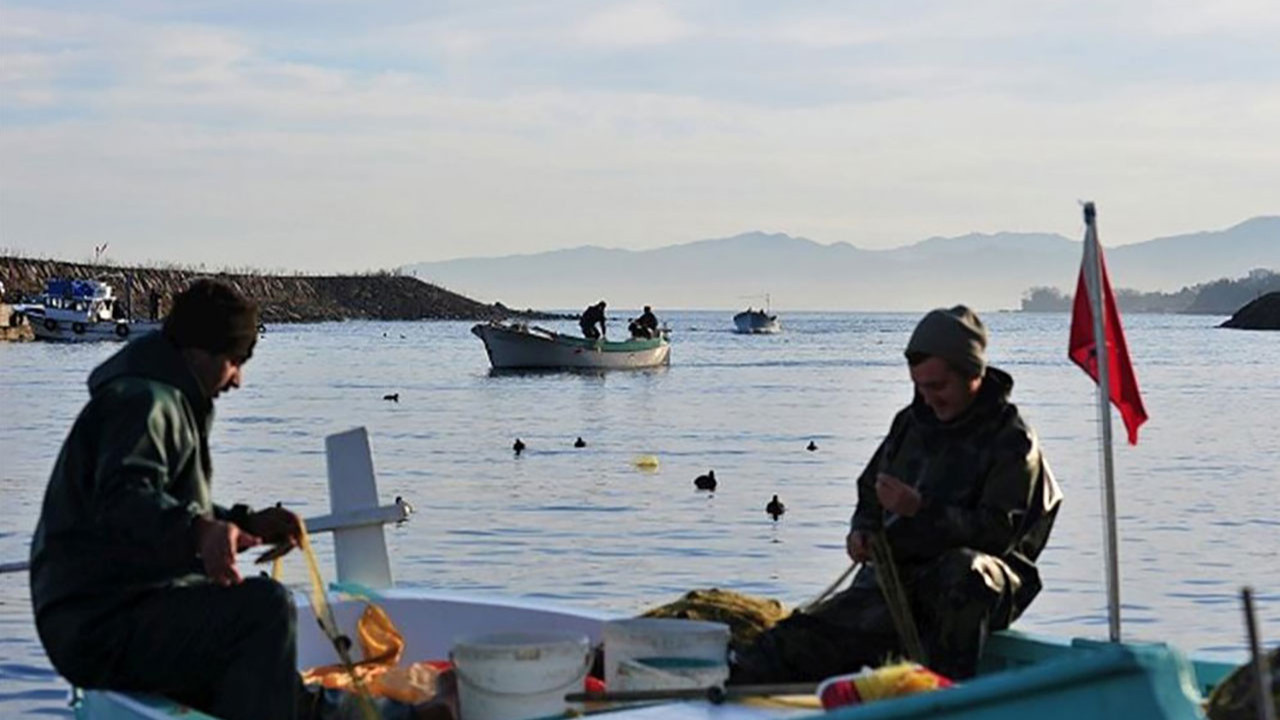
(592, 316)
(133, 568)
(959, 495)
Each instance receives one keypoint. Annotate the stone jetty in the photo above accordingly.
(283, 298)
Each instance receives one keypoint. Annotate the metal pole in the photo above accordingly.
(1093, 281)
(1261, 674)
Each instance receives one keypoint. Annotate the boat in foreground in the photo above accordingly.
(521, 346)
(81, 311)
(756, 322)
(1020, 676)
(1023, 676)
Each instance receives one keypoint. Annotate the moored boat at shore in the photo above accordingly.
(82, 311)
(520, 346)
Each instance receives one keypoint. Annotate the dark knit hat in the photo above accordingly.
(955, 335)
(213, 315)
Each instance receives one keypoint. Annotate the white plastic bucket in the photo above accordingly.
(517, 676)
(661, 638)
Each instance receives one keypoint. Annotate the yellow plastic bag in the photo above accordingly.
(381, 646)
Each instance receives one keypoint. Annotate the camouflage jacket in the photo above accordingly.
(982, 479)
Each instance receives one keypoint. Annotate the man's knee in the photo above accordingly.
(270, 603)
(964, 574)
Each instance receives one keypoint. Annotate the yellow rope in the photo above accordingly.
(324, 616)
(895, 597)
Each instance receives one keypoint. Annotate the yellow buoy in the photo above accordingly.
(648, 463)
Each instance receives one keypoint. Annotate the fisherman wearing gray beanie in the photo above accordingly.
(955, 335)
(960, 496)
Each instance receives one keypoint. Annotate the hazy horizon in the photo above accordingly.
(333, 137)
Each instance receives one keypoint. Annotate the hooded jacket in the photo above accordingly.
(982, 479)
(131, 477)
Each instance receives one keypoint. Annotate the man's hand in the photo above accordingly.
(217, 543)
(275, 525)
(858, 544)
(897, 496)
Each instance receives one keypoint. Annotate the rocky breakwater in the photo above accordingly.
(283, 298)
(1261, 314)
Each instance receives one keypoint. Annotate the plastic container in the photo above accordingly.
(663, 673)
(662, 638)
(516, 676)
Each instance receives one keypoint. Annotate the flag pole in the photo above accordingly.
(1093, 280)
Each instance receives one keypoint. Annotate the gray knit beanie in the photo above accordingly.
(955, 335)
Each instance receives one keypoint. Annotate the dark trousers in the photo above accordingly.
(590, 332)
(954, 599)
(229, 652)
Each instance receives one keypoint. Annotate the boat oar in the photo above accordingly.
(714, 694)
(1261, 674)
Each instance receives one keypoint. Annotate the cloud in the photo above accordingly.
(634, 25)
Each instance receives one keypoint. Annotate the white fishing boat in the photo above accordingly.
(1021, 675)
(521, 346)
(82, 311)
(756, 322)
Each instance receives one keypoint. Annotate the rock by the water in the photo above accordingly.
(1261, 314)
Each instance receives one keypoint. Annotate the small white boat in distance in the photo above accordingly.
(81, 311)
(521, 346)
(756, 322)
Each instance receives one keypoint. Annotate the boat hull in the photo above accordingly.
(518, 347)
(1022, 675)
(756, 323)
(57, 330)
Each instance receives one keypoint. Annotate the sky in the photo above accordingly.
(332, 135)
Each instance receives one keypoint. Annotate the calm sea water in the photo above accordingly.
(1199, 512)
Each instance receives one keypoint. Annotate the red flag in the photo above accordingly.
(1082, 349)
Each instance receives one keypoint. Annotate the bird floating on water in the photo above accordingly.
(706, 482)
(518, 446)
(579, 443)
(393, 397)
(775, 508)
(811, 446)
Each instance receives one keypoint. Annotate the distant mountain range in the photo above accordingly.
(985, 271)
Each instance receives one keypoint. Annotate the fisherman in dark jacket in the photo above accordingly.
(645, 326)
(133, 568)
(591, 317)
(965, 502)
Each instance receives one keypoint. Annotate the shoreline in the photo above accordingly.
(282, 298)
